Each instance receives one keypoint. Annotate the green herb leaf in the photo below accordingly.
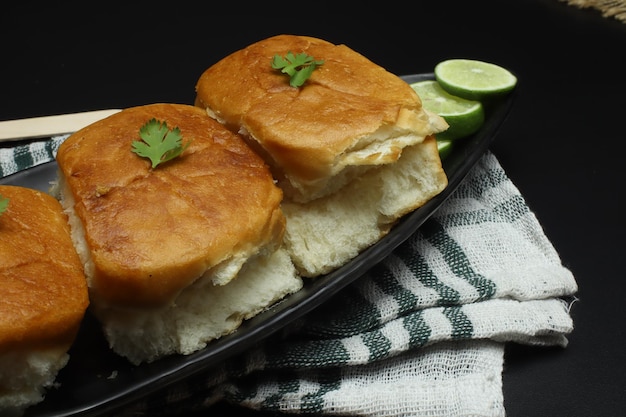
(299, 67)
(4, 203)
(160, 144)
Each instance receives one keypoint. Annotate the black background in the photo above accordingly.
(559, 144)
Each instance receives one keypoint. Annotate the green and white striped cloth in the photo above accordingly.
(422, 333)
(15, 157)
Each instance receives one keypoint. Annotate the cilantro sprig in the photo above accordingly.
(159, 143)
(4, 203)
(299, 67)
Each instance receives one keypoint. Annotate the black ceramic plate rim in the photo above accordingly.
(106, 395)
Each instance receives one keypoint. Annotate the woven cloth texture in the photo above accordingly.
(608, 8)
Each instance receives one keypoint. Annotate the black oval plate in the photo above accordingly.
(96, 381)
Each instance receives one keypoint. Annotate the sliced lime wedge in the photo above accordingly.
(474, 80)
(464, 117)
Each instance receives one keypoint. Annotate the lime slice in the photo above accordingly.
(464, 117)
(444, 147)
(474, 80)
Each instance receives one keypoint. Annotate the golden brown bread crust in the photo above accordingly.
(44, 291)
(304, 131)
(151, 232)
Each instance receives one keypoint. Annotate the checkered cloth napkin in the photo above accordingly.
(422, 333)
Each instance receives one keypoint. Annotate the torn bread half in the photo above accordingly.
(162, 243)
(44, 296)
(349, 116)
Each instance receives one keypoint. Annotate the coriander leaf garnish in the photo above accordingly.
(160, 144)
(299, 67)
(4, 203)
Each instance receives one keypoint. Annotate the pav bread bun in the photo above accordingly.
(163, 244)
(43, 296)
(352, 148)
(349, 116)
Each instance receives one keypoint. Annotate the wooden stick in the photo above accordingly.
(48, 126)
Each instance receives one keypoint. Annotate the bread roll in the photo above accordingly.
(44, 296)
(349, 116)
(352, 149)
(149, 235)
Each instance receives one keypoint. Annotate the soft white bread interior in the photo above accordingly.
(201, 313)
(44, 297)
(163, 247)
(26, 376)
(326, 233)
(351, 114)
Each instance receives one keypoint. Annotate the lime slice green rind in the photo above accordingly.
(461, 128)
(473, 79)
(464, 117)
(444, 147)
